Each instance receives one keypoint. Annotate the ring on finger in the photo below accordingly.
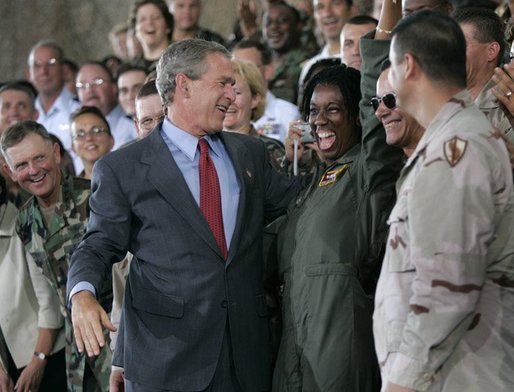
(508, 94)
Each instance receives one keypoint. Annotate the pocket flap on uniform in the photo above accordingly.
(330, 269)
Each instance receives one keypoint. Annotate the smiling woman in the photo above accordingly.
(248, 106)
(330, 247)
(91, 136)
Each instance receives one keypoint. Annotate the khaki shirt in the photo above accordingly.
(444, 309)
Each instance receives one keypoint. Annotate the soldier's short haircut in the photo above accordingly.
(147, 89)
(128, 67)
(362, 20)
(254, 44)
(17, 132)
(19, 86)
(437, 44)
(487, 25)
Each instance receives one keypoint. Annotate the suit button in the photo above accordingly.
(224, 304)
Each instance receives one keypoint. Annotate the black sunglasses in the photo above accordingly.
(388, 99)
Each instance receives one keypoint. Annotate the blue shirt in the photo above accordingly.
(184, 150)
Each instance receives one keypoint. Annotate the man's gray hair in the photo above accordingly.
(186, 57)
(46, 43)
(17, 132)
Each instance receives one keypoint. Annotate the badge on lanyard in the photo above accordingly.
(331, 176)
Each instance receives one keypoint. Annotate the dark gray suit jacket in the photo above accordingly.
(180, 292)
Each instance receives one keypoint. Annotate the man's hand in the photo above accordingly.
(6, 384)
(89, 319)
(396, 388)
(504, 89)
(117, 380)
(31, 376)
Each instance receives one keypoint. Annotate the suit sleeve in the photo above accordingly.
(108, 231)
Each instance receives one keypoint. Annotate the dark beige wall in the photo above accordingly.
(80, 26)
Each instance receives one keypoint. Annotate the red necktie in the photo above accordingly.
(210, 196)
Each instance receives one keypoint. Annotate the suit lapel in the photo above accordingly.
(236, 150)
(166, 177)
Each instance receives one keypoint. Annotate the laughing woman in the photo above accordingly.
(331, 244)
(249, 106)
(153, 27)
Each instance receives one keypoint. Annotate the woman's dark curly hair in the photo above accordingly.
(347, 80)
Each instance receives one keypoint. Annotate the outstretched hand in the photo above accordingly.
(89, 319)
(117, 381)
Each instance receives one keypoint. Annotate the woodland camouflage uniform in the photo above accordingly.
(51, 247)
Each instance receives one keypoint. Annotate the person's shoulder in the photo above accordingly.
(81, 183)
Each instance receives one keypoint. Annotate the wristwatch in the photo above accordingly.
(41, 356)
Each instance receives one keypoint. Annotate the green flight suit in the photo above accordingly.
(330, 250)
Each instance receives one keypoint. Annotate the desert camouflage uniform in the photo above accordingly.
(490, 106)
(444, 308)
(51, 247)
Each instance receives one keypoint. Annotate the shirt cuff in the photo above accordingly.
(410, 373)
(81, 286)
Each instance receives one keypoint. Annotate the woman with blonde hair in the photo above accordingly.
(249, 106)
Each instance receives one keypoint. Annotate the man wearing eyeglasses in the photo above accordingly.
(50, 225)
(149, 109)
(96, 87)
(54, 102)
(444, 301)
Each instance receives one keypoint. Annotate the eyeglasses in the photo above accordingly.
(86, 85)
(388, 99)
(148, 123)
(81, 135)
(49, 63)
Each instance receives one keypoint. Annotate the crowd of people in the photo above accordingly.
(322, 202)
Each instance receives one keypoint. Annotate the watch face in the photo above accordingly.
(40, 356)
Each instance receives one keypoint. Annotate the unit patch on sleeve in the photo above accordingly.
(454, 150)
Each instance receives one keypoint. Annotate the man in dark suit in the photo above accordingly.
(194, 315)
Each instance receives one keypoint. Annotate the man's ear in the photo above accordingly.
(493, 51)
(57, 153)
(183, 84)
(411, 67)
(5, 168)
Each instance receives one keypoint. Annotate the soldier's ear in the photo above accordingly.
(57, 153)
(5, 168)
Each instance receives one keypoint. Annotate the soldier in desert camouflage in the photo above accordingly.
(444, 308)
(51, 224)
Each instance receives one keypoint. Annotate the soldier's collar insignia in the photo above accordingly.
(454, 150)
(331, 176)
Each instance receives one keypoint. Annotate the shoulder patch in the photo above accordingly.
(454, 150)
(331, 176)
